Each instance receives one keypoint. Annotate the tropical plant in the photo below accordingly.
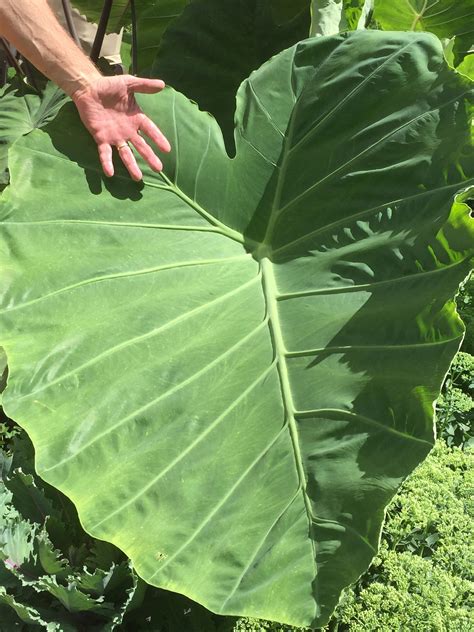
(444, 18)
(227, 370)
(333, 16)
(151, 18)
(258, 30)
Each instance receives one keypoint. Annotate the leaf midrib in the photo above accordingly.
(271, 293)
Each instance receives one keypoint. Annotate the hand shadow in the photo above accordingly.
(70, 137)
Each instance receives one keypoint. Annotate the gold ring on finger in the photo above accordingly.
(121, 146)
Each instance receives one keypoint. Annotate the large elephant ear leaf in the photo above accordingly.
(444, 18)
(196, 59)
(153, 18)
(286, 10)
(231, 367)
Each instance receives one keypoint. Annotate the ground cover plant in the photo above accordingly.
(237, 372)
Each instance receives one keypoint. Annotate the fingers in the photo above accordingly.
(151, 130)
(147, 153)
(146, 86)
(105, 155)
(130, 163)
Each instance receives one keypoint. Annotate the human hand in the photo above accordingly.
(109, 111)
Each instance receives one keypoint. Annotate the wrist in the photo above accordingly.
(80, 84)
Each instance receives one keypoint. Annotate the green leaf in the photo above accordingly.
(357, 13)
(153, 18)
(27, 614)
(466, 67)
(444, 18)
(286, 10)
(71, 596)
(50, 558)
(196, 59)
(16, 542)
(279, 322)
(21, 113)
(5, 464)
(28, 499)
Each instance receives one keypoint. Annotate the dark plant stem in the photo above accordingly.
(30, 73)
(70, 21)
(11, 57)
(134, 39)
(101, 29)
(4, 65)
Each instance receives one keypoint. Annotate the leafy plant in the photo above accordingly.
(358, 13)
(52, 574)
(465, 301)
(333, 16)
(411, 586)
(120, 14)
(152, 19)
(444, 18)
(455, 408)
(271, 318)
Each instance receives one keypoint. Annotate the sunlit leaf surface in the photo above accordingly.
(231, 367)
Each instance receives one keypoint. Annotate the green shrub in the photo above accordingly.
(410, 594)
(465, 303)
(455, 406)
(422, 577)
(461, 373)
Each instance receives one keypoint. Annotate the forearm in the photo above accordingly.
(32, 28)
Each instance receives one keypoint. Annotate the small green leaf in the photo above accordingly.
(27, 498)
(466, 67)
(28, 614)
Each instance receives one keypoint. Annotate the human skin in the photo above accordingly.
(106, 105)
